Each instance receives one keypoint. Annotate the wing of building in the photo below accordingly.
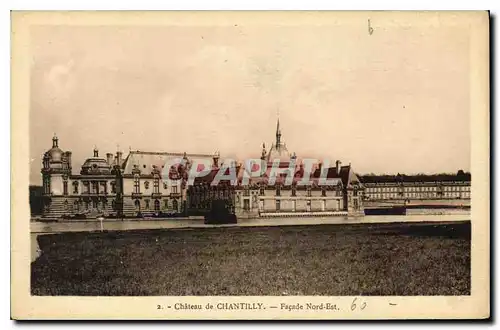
(304, 194)
(418, 187)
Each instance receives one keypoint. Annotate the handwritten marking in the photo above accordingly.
(370, 29)
(354, 306)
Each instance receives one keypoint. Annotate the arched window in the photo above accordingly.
(157, 205)
(175, 205)
(137, 204)
(75, 187)
(65, 187)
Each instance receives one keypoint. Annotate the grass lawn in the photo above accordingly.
(389, 259)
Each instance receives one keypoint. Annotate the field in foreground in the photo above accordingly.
(388, 259)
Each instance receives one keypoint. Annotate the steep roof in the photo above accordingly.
(346, 176)
(145, 159)
(416, 178)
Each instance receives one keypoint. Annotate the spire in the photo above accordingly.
(278, 133)
(55, 141)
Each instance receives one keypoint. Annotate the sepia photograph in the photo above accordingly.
(278, 165)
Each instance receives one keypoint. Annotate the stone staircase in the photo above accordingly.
(57, 208)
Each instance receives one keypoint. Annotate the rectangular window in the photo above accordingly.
(137, 186)
(65, 187)
(294, 191)
(174, 189)
(95, 188)
(261, 191)
(156, 185)
(278, 205)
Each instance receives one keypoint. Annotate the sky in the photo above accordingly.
(395, 101)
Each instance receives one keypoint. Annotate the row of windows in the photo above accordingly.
(420, 195)
(156, 204)
(392, 189)
(95, 204)
(100, 187)
(308, 203)
(93, 187)
(156, 185)
(308, 192)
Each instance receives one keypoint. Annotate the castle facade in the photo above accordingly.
(139, 185)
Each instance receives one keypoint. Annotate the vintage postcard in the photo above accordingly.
(250, 165)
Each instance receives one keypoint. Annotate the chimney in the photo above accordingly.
(216, 159)
(119, 158)
(109, 158)
(68, 158)
(338, 164)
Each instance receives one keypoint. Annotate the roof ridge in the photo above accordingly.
(165, 153)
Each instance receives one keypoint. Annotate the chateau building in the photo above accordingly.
(260, 197)
(417, 187)
(112, 186)
(136, 186)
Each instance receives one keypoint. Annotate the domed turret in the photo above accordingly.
(55, 159)
(96, 165)
(55, 153)
(279, 149)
